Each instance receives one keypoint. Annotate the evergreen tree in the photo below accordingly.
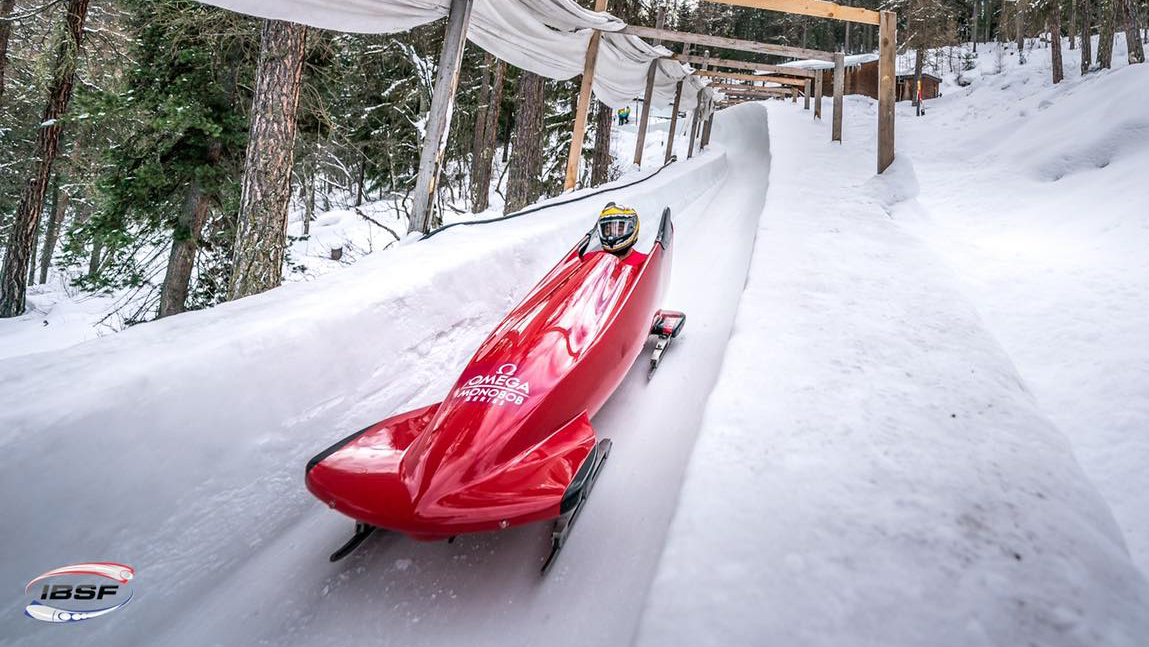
(22, 239)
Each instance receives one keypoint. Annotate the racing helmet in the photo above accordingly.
(617, 228)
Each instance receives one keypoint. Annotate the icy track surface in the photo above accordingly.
(178, 447)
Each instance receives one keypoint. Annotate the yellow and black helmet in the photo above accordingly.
(617, 228)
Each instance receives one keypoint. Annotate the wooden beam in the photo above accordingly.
(726, 43)
(707, 126)
(647, 100)
(439, 117)
(583, 106)
(673, 123)
(648, 97)
(751, 77)
(674, 115)
(793, 95)
(816, 8)
(818, 95)
(694, 118)
(694, 125)
(750, 89)
(887, 44)
(839, 87)
(744, 65)
(807, 90)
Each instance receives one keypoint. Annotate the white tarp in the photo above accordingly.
(547, 37)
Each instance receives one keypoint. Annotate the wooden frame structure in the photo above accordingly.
(744, 65)
(726, 43)
(759, 78)
(450, 61)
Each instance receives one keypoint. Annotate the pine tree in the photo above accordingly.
(1133, 42)
(262, 236)
(524, 182)
(22, 240)
(6, 7)
(1058, 69)
(600, 162)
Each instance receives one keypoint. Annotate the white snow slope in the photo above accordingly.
(178, 446)
(872, 468)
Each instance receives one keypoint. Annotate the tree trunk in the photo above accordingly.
(261, 238)
(360, 181)
(600, 162)
(1072, 25)
(973, 25)
(23, 238)
(309, 192)
(1055, 41)
(60, 202)
(1105, 39)
(1086, 36)
(1019, 26)
(5, 31)
(846, 36)
(524, 184)
(1132, 32)
(185, 241)
(481, 175)
(97, 256)
(480, 128)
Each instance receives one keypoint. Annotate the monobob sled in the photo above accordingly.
(512, 443)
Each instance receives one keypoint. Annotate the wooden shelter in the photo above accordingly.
(931, 86)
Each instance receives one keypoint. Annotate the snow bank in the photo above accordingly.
(871, 469)
(1036, 195)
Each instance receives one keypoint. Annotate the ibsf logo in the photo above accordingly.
(79, 592)
(500, 387)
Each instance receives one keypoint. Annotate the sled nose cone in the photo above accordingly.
(366, 480)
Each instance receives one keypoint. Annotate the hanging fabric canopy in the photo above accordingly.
(547, 37)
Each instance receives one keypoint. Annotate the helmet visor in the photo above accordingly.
(616, 231)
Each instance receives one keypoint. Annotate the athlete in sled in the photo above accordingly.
(512, 441)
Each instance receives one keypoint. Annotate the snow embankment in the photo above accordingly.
(871, 469)
(178, 446)
(1038, 196)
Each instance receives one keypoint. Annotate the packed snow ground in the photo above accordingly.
(1038, 196)
(872, 468)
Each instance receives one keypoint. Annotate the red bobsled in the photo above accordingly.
(512, 442)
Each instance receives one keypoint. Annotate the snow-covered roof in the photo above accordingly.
(812, 64)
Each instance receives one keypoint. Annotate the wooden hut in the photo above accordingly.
(931, 87)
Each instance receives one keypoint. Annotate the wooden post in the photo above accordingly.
(575, 153)
(704, 137)
(694, 125)
(887, 43)
(439, 119)
(807, 90)
(818, 95)
(793, 95)
(694, 118)
(674, 115)
(839, 85)
(648, 96)
(673, 123)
